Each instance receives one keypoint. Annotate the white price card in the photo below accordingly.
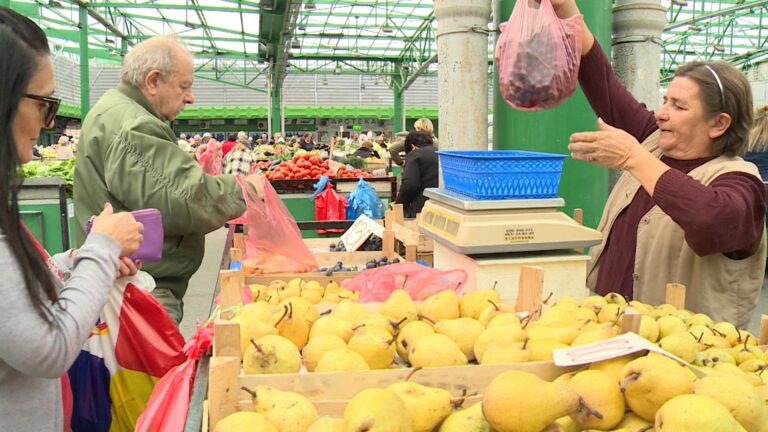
(359, 232)
(617, 346)
(333, 166)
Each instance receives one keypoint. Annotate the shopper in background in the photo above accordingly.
(229, 144)
(196, 142)
(365, 151)
(43, 324)
(688, 208)
(184, 144)
(129, 157)
(238, 161)
(397, 150)
(425, 125)
(64, 152)
(757, 151)
(306, 142)
(421, 171)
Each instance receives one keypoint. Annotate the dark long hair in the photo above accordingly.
(23, 45)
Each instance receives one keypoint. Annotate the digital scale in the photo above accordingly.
(472, 227)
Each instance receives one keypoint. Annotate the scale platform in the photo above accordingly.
(473, 227)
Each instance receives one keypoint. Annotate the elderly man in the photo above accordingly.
(130, 158)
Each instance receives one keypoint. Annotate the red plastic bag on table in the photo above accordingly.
(375, 285)
(210, 160)
(274, 243)
(538, 56)
(329, 205)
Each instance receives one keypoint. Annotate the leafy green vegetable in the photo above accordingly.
(64, 169)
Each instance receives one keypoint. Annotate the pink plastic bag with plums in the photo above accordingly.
(375, 285)
(538, 56)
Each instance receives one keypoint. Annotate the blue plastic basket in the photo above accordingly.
(501, 174)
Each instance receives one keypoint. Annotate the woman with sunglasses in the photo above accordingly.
(688, 208)
(48, 307)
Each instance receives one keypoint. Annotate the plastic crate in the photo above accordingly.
(501, 174)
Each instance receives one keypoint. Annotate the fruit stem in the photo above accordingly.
(426, 318)
(631, 377)
(357, 327)
(249, 391)
(745, 343)
(525, 344)
(593, 412)
(397, 324)
(645, 428)
(525, 321)
(698, 339)
(326, 312)
(495, 306)
(494, 285)
(457, 402)
(413, 371)
(258, 348)
(546, 300)
(285, 312)
(717, 332)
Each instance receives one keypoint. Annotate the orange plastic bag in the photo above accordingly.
(375, 285)
(538, 56)
(274, 243)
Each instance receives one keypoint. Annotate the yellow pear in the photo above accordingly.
(466, 420)
(648, 382)
(435, 350)
(690, 412)
(615, 298)
(318, 346)
(244, 421)
(498, 336)
(700, 319)
(563, 424)
(313, 297)
(331, 325)
(556, 318)
(348, 310)
(744, 352)
(271, 354)
(670, 324)
(408, 336)
(641, 307)
(682, 345)
(463, 331)
(292, 326)
(501, 319)
(259, 310)
(301, 307)
(498, 354)
(313, 285)
(251, 328)
(583, 313)
(713, 356)
(472, 304)
(649, 328)
(341, 360)
(632, 423)
(564, 335)
(741, 337)
(665, 309)
(601, 404)
(517, 401)
(541, 349)
(258, 291)
(288, 411)
(443, 305)
(613, 367)
(610, 313)
(328, 424)
(377, 350)
(374, 321)
(492, 310)
(332, 287)
(602, 332)
(292, 289)
(272, 298)
(399, 306)
(595, 303)
(739, 397)
(427, 406)
(377, 410)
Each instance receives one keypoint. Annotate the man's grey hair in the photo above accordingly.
(157, 53)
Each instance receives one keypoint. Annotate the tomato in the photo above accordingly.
(278, 176)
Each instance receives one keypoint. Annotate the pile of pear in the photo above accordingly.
(312, 291)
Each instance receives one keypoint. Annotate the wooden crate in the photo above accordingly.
(406, 232)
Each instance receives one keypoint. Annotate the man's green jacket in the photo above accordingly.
(129, 157)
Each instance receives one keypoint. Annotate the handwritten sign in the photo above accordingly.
(359, 232)
(333, 166)
(617, 346)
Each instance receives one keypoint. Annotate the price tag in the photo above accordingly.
(333, 166)
(359, 232)
(617, 346)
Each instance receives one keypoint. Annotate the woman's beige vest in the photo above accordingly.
(724, 289)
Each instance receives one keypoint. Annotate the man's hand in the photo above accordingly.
(565, 8)
(257, 181)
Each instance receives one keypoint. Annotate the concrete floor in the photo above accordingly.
(197, 303)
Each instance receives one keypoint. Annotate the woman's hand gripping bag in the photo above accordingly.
(538, 56)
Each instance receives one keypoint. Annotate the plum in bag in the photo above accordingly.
(538, 56)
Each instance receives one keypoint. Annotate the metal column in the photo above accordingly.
(275, 104)
(398, 116)
(85, 80)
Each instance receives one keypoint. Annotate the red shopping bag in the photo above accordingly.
(210, 160)
(167, 408)
(538, 56)
(329, 205)
(274, 243)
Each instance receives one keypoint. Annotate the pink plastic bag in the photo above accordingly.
(274, 243)
(210, 159)
(375, 285)
(167, 407)
(538, 56)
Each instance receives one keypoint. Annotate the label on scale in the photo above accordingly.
(519, 235)
(359, 232)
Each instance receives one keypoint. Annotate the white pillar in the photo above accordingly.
(637, 28)
(462, 50)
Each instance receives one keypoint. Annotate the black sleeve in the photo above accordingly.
(410, 185)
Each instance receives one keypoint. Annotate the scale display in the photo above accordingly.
(480, 227)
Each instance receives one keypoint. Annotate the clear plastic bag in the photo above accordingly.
(375, 285)
(364, 200)
(210, 160)
(538, 56)
(274, 243)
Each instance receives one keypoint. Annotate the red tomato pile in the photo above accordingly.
(306, 166)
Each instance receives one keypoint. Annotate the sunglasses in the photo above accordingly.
(51, 106)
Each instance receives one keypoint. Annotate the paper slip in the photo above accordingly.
(359, 232)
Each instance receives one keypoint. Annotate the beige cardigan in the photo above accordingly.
(724, 289)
